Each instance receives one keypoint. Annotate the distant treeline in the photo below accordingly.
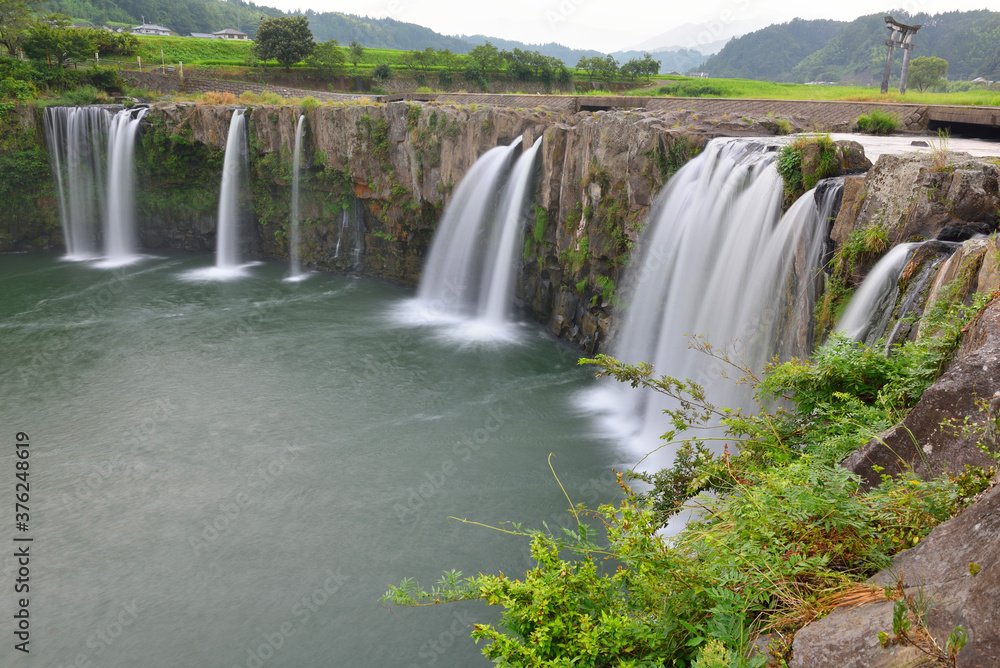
(801, 51)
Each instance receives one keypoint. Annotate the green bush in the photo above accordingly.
(381, 73)
(876, 122)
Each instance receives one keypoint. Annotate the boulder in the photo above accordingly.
(938, 571)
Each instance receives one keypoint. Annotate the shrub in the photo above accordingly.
(218, 98)
(381, 73)
(309, 103)
(877, 122)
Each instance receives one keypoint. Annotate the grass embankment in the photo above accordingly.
(746, 88)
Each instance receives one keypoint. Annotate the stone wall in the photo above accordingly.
(817, 115)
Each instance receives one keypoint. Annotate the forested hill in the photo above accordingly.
(187, 16)
(834, 51)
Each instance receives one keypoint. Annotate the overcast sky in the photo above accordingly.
(611, 25)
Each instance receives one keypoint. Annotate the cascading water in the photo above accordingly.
(450, 285)
(293, 240)
(77, 139)
(869, 310)
(119, 218)
(718, 261)
(495, 293)
(234, 172)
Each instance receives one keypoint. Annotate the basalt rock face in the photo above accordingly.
(387, 171)
(918, 196)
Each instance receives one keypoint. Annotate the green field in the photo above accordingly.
(194, 52)
(745, 88)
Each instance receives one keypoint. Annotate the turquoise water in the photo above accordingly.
(230, 473)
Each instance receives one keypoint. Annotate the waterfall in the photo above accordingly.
(234, 172)
(495, 293)
(293, 242)
(351, 231)
(869, 310)
(452, 276)
(119, 217)
(77, 138)
(468, 277)
(716, 261)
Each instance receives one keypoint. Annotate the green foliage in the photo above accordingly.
(355, 52)
(927, 72)
(485, 60)
(16, 21)
(309, 103)
(541, 222)
(15, 89)
(800, 174)
(876, 122)
(861, 249)
(773, 52)
(578, 256)
(327, 57)
(52, 42)
(382, 73)
(286, 39)
(671, 156)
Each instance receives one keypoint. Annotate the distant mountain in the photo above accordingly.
(855, 51)
(706, 38)
(680, 60)
(772, 53)
(563, 53)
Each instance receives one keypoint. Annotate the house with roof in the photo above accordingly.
(230, 33)
(150, 29)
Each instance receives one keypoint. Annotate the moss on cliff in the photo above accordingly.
(29, 216)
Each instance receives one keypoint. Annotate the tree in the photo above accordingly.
(15, 22)
(327, 56)
(485, 59)
(381, 73)
(927, 72)
(356, 51)
(592, 66)
(50, 40)
(287, 39)
(609, 68)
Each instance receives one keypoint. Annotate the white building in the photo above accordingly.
(229, 33)
(151, 29)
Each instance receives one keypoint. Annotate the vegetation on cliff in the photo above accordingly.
(780, 536)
